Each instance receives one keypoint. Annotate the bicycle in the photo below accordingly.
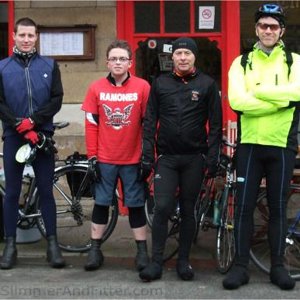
(73, 193)
(260, 251)
(225, 248)
(216, 206)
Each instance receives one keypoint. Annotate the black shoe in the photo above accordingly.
(280, 277)
(10, 253)
(95, 257)
(54, 256)
(236, 277)
(151, 272)
(142, 258)
(184, 270)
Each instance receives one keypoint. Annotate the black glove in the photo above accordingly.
(46, 144)
(145, 170)
(94, 169)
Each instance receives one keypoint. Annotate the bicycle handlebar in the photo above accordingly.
(227, 143)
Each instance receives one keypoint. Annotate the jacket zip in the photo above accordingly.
(27, 76)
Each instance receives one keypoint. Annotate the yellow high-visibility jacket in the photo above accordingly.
(266, 98)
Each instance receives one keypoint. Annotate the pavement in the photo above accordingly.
(117, 279)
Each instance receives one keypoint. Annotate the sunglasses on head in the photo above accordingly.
(264, 26)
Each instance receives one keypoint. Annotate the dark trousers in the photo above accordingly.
(43, 167)
(172, 172)
(253, 163)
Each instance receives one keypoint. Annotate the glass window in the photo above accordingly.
(177, 16)
(147, 16)
(208, 16)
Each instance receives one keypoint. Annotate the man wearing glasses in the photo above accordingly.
(265, 94)
(114, 107)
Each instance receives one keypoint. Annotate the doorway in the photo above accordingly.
(153, 57)
(3, 30)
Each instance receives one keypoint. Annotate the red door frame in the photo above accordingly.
(228, 39)
(11, 22)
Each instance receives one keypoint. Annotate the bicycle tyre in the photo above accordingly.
(203, 207)
(172, 242)
(149, 202)
(225, 248)
(260, 250)
(74, 205)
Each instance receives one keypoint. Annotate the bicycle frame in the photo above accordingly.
(83, 184)
(225, 250)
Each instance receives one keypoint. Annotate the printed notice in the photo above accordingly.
(64, 43)
(206, 17)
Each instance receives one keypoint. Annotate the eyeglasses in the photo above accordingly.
(264, 26)
(271, 9)
(120, 59)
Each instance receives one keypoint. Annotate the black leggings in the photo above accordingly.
(43, 167)
(253, 163)
(172, 172)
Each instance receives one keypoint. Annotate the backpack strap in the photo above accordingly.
(289, 60)
(244, 61)
(288, 55)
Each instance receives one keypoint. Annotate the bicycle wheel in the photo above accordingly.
(172, 246)
(203, 207)
(260, 250)
(149, 202)
(225, 249)
(73, 194)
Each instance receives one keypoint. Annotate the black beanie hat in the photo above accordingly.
(185, 43)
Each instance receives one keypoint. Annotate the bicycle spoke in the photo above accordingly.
(74, 205)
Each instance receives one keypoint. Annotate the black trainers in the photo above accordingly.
(236, 277)
(280, 277)
(152, 272)
(184, 270)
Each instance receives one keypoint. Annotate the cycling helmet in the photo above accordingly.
(271, 10)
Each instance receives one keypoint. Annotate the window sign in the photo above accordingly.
(165, 62)
(61, 43)
(167, 48)
(67, 42)
(206, 17)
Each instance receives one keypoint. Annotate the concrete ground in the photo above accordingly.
(32, 278)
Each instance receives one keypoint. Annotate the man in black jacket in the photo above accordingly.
(180, 107)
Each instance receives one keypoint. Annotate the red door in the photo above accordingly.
(6, 27)
(150, 27)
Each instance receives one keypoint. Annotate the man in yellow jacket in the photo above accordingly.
(265, 93)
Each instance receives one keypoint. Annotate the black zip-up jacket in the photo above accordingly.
(30, 88)
(178, 112)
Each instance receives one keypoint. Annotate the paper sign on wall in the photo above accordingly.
(64, 43)
(206, 17)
